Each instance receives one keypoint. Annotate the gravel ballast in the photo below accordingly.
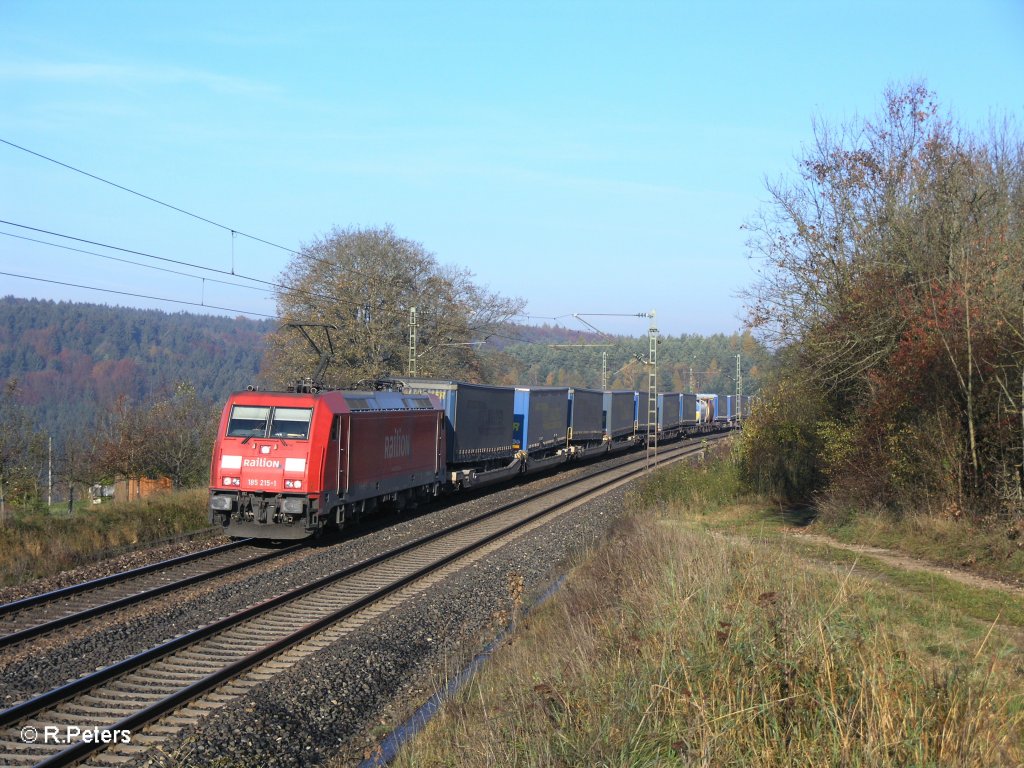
(334, 702)
(51, 661)
(124, 561)
(331, 708)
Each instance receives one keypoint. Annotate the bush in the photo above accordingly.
(711, 483)
(782, 448)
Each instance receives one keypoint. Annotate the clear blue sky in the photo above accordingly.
(588, 157)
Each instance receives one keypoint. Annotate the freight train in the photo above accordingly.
(288, 465)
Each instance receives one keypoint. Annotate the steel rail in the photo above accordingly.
(76, 752)
(57, 594)
(52, 625)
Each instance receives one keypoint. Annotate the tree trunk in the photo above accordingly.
(970, 384)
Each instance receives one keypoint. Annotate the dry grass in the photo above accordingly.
(36, 544)
(675, 645)
(993, 547)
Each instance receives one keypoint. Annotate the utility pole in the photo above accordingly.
(49, 473)
(412, 342)
(739, 389)
(652, 372)
(652, 392)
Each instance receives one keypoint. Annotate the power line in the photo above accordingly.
(137, 263)
(139, 295)
(174, 261)
(138, 253)
(226, 228)
(305, 254)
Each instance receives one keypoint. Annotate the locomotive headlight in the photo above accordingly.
(293, 484)
(226, 480)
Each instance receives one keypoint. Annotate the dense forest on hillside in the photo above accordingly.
(562, 357)
(131, 392)
(70, 359)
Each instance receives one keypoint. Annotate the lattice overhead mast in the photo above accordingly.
(412, 342)
(652, 392)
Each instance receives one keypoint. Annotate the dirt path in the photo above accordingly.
(909, 563)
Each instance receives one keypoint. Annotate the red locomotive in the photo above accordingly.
(288, 464)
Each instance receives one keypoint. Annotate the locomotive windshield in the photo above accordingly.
(264, 421)
(292, 423)
(248, 421)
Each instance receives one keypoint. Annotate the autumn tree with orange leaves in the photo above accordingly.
(892, 283)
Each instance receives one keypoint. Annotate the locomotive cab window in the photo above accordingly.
(264, 421)
(248, 421)
(291, 423)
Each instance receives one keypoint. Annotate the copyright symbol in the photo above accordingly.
(29, 734)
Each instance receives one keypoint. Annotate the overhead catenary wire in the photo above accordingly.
(541, 317)
(234, 232)
(123, 188)
(179, 262)
(139, 295)
(137, 263)
(139, 253)
(305, 254)
(278, 286)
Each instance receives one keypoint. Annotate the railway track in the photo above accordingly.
(31, 617)
(221, 661)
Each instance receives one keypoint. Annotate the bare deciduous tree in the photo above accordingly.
(181, 429)
(22, 449)
(364, 282)
(891, 270)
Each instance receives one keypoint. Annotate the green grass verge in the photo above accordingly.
(37, 544)
(994, 548)
(676, 643)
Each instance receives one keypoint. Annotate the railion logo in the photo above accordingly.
(262, 463)
(397, 446)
